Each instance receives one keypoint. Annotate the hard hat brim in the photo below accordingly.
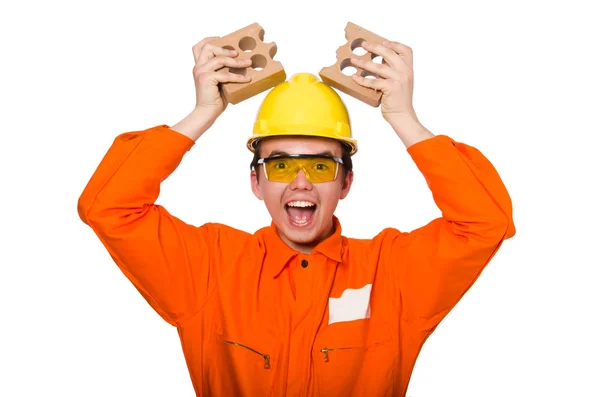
(303, 131)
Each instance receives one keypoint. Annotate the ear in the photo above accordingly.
(254, 184)
(347, 184)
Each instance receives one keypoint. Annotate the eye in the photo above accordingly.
(321, 167)
(280, 165)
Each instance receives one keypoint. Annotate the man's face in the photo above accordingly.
(301, 226)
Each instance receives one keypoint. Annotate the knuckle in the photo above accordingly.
(198, 46)
(198, 73)
(204, 48)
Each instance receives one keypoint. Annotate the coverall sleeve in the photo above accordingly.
(167, 260)
(435, 265)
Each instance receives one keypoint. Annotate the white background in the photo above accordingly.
(516, 79)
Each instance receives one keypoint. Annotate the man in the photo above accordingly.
(298, 309)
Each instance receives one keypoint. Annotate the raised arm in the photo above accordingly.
(434, 266)
(168, 260)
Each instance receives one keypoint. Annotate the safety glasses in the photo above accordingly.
(317, 167)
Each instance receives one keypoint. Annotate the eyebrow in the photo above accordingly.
(281, 153)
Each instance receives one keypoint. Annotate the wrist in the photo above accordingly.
(409, 129)
(194, 124)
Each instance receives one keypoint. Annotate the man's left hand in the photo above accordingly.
(394, 78)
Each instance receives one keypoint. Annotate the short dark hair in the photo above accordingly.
(346, 158)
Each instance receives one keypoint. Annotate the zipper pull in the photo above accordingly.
(326, 351)
(267, 361)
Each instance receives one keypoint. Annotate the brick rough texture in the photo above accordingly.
(265, 72)
(333, 75)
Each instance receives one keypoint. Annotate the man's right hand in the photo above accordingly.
(207, 76)
(210, 69)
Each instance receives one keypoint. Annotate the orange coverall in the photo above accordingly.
(256, 318)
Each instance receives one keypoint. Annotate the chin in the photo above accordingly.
(301, 237)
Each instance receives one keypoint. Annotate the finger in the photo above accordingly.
(209, 51)
(376, 84)
(196, 48)
(404, 51)
(376, 68)
(228, 77)
(222, 76)
(390, 56)
(219, 62)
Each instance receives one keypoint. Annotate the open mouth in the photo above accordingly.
(300, 212)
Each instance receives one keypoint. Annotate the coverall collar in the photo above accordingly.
(279, 253)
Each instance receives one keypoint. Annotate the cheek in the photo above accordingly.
(329, 196)
(272, 194)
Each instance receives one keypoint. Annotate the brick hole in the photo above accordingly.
(273, 51)
(258, 62)
(368, 75)
(376, 58)
(261, 35)
(356, 48)
(228, 47)
(247, 44)
(347, 68)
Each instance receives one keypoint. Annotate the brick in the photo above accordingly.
(333, 75)
(265, 72)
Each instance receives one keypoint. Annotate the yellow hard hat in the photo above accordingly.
(303, 105)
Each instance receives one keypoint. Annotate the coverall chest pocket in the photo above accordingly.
(242, 363)
(355, 359)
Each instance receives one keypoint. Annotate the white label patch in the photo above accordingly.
(354, 304)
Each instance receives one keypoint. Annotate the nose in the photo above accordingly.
(301, 182)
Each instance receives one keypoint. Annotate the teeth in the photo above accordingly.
(300, 222)
(300, 204)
